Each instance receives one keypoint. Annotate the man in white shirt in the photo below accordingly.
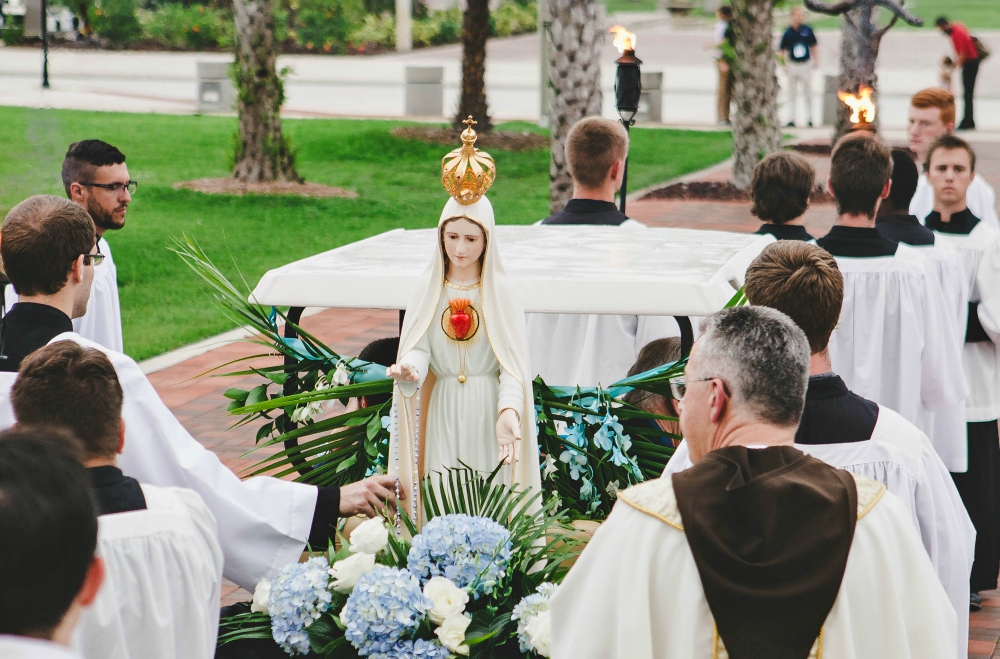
(748, 550)
(849, 432)
(159, 544)
(932, 114)
(951, 163)
(587, 350)
(49, 572)
(894, 343)
(47, 247)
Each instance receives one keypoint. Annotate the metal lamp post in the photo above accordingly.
(628, 88)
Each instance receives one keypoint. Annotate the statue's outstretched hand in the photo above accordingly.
(509, 436)
(403, 373)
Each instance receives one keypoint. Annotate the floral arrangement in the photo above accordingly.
(474, 583)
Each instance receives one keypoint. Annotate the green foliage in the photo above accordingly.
(194, 27)
(512, 18)
(116, 22)
(376, 30)
(440, 27)
(12, 33)
(325, 24)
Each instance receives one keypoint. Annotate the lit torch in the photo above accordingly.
(862, 108)
(628, 86)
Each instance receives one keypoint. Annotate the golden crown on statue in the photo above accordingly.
(467, 173)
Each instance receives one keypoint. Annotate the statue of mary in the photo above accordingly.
(463, 391)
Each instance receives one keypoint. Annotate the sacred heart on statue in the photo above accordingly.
(460, 319)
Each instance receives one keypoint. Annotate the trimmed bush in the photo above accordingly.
(115, 21)
(188, 28)
(326, 24)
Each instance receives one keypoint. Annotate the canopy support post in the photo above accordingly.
(687, 334)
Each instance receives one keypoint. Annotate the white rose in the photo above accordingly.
(452, 633)
(260, 596)
(346, 572)
(539, 630)
(370, 537)
(449, 600)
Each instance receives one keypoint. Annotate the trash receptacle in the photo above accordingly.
(216, 92)
(424, 96)
(651, 98)
(831, 104)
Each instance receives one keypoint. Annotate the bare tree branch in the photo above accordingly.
(832, 10)
(881, 31)
(897, 10)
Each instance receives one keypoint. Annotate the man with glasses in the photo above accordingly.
(748, 549)
(95, 176)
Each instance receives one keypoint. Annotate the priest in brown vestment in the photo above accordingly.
(758, 551)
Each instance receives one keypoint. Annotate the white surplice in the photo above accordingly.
(948, 424)
(263, 522)
(902, 458)
(587, 350)
(102, 323)
(22, 647)
(894, 344)
(163, 570)
(980, 197)
(980, 251)
(635, 592)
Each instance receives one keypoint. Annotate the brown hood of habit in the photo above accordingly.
(770, 530)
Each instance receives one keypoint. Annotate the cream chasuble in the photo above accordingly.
(635, 592)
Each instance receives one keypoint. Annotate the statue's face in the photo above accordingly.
(463, 242)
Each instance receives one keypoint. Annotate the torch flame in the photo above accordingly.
(862, 107)
(624, 40)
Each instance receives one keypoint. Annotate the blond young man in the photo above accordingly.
(576, 349)
(932, 114)
(779, 192)
(951, 164)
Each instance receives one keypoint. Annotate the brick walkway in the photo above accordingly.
(198, 402)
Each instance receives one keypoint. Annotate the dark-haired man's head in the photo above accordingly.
(950, 167)
(803, 282)
(48, 534)
(44, 243)
(654, 354)
(904, 185)
(596, 149)
(725, 13)
(66, 384)
(780, 187)
(860, 174)
(383, 352)
(88, 166)
(942, 23)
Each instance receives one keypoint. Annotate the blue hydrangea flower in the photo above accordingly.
(471, 551)
(385, 604)
(414, 649)
(529, 607)
(299, 595)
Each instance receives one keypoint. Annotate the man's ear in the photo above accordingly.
(121, 437)
(829, 187)
(91, 583)
(616, 170)
(886, 189)
(76, 270)
(720, 399)
(76, 192)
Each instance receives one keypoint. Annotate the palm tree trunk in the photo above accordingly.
(577, 36)
(755, 125)
(475, 31)
(262, 152)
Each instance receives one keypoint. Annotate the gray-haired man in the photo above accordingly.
(748, 548)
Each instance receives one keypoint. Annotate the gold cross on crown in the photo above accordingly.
(470, 122)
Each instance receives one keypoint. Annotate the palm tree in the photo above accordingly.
(475, 31)
(262, 151)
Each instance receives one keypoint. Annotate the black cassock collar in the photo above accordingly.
(785, 232)
(857, 242)
(587, 211)
(962, 222)
(26, 328)
(834, 414)
(904, 229)
(114, 492)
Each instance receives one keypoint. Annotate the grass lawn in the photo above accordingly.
(977, 14)
(163, 304)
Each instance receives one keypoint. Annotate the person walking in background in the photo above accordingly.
(798, 45)
(970, 54)
(722, 42)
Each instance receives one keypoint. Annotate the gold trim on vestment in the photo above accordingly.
(871, 504)
(719, 649)
(658, 516)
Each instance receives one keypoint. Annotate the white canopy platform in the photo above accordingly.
(559, 269)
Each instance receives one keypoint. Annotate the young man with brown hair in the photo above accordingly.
(160, 544)
(850, 432)
(587, 350)
(779, 192)
(894, 344)
(932, 114)
(264, 522)
(950, 167)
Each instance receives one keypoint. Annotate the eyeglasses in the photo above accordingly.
(678, 386)
(114, 187)
(93, 259)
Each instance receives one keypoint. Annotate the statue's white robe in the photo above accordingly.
(102, 323)
(980, 197)
(635, 592)
(263, 522)
(901, 457)
(895, 345)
